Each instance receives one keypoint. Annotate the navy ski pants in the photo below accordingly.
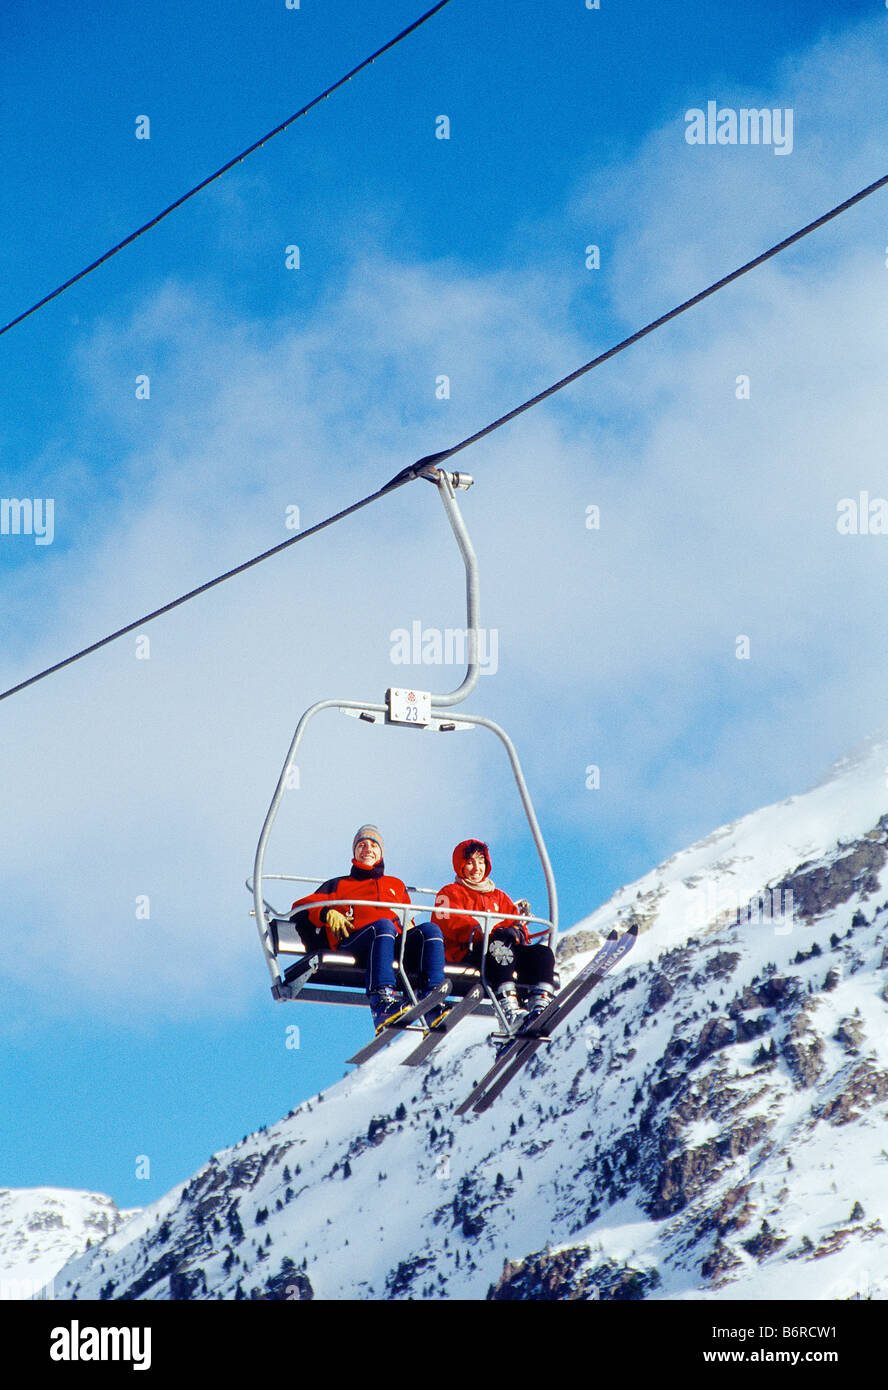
(374, 947)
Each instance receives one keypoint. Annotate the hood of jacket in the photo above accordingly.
(465, 848)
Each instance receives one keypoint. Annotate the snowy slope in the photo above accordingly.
(712, 1125)
(42, 1227)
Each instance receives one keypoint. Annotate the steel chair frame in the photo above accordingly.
(266, 916)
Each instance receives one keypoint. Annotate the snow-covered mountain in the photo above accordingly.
(42, 1227)
(711, 1124)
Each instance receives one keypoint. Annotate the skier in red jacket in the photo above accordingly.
(510, 952)
(370, 933)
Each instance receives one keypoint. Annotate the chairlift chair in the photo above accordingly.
(317, 974)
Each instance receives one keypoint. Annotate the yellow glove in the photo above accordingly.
(339, 923)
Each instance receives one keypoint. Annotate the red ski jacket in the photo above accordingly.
(460, 932)
(373, 884)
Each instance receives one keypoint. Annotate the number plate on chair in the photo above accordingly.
(410, 706)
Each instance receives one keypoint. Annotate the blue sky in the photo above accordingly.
(127, 778)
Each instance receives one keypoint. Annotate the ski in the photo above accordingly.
(466, 1005)
(434, 1000)
(540, 1025)
(611, 954)
(524, 1054)
(519, 1051)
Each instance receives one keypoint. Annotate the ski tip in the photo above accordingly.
(615, 935)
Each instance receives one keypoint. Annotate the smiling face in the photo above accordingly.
(474, 867)
(367, 853)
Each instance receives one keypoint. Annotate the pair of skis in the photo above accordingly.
(518, 1050)
(517, 1053)
(433, 1003)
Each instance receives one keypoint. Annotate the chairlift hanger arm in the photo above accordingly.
(447, 491)
(448, 484)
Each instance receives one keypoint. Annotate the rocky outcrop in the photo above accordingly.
(661, 993)
(855, 873)
(732, 1213)
(863, 1088)
(850, 1034)
(803, 1050)
(720, 1262)
(290, 1284)
(571, 1275)
(685, 1175)
(764, 1243)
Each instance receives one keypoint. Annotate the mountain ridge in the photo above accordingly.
(41, 1228)
(708, 1127)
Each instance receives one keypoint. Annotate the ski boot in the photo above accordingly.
(438, 1013)
(386, 1005)
(508, 1001)
(507, 997)
(541, 997)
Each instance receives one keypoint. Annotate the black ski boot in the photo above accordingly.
(386, 1005)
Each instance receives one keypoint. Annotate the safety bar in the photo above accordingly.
(403, 908)
(282, 914)
(485, 912)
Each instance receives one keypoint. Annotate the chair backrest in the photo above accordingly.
(313, 938)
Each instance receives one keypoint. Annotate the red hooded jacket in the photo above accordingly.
(460, 932)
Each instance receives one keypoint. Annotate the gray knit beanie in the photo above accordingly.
(369, 832)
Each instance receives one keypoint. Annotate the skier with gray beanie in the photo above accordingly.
(370, 932)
